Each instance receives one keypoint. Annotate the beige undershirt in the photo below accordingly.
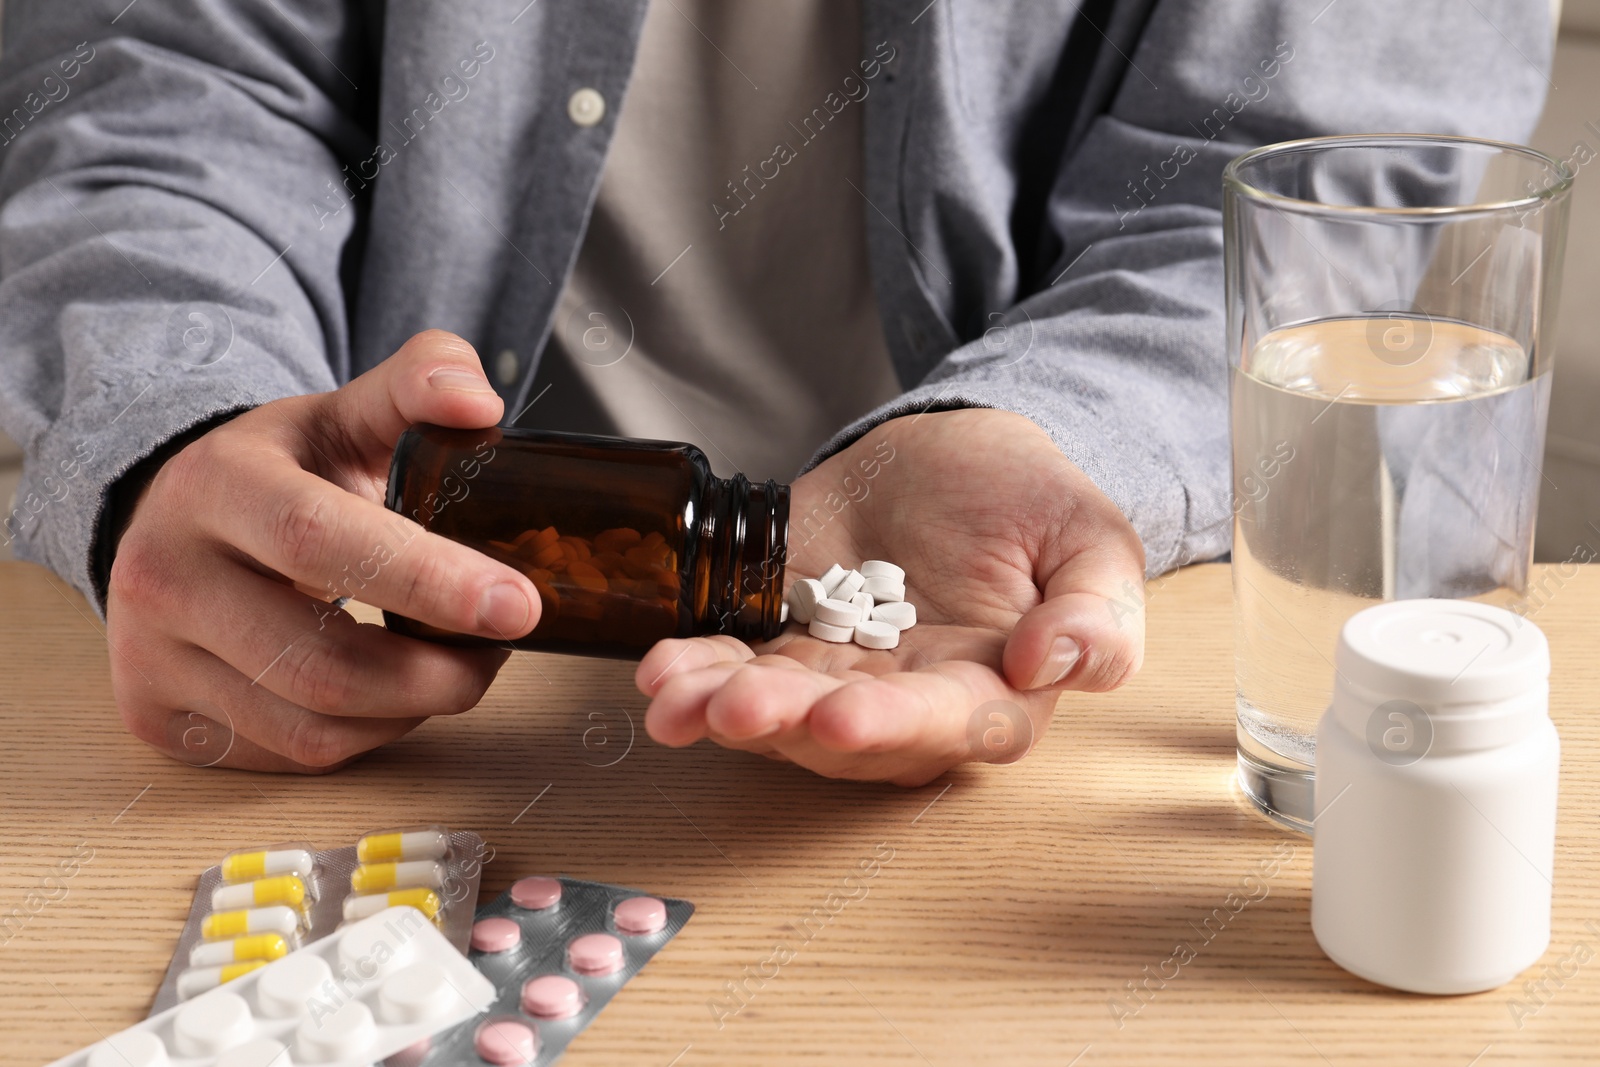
(755, 334)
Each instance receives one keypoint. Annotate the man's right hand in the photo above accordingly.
(219, 657)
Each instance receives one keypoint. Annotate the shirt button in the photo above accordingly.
(586, 107)
(506, 367)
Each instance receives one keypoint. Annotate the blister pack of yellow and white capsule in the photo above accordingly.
(262, 903)
(410, 865)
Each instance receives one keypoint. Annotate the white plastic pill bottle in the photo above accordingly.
(1436, 798)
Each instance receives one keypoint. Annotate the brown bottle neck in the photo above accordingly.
(741, 549)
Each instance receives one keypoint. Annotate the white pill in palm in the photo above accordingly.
(837, 612)
(881, 589)
(839, 635)
(863, 603)
(830, 578)
(848, 586)
(803, 597)
(900, 614)
(783, 613)
(877, 568)
(872, 634)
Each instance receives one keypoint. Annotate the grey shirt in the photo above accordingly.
(209, 204)
(722, 294)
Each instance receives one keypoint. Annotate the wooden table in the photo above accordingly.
(1018, 905)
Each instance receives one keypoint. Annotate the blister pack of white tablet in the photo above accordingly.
(357, 996)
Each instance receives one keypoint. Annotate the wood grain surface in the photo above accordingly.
(1010, 908)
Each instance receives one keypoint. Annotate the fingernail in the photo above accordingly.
(1062, 657)
(505, 609)
(459, 380)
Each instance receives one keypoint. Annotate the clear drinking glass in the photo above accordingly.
(1391, 310)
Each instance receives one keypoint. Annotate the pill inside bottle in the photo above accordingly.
(627, 542)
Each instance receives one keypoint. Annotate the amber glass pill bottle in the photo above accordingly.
(628, 542)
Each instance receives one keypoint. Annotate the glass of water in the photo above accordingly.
(1391, 310)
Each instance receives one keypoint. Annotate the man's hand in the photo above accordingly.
(1016, 563)
(220, 656)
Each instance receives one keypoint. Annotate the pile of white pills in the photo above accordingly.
(867, 606)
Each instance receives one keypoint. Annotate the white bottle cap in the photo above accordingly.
(1442, 652)
(1467, 676)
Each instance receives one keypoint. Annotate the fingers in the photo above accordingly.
(315, 533)
(760, 700)
(304, 651)
(905, 727)
(922, 715)
(673, 657)
(1076, 641)
(305, 740)
(435, 377)
(206, 739)
(1088, 632)
(204, 713)
(735, 703)
(326, 661)
(677, 716)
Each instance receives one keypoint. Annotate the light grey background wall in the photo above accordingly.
(1569, 513)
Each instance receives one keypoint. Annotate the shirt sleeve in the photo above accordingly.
(173, 213)
(1119, 353)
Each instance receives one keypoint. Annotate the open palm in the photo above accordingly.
(1021, 571)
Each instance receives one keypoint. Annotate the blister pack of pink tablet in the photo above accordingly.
(557, 950)
(262, 903)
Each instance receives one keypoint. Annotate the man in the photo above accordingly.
(980, 238)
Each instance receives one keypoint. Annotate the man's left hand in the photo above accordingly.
(1027, 580)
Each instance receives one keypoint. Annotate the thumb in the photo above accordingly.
(1088, 633)
(435, 377)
